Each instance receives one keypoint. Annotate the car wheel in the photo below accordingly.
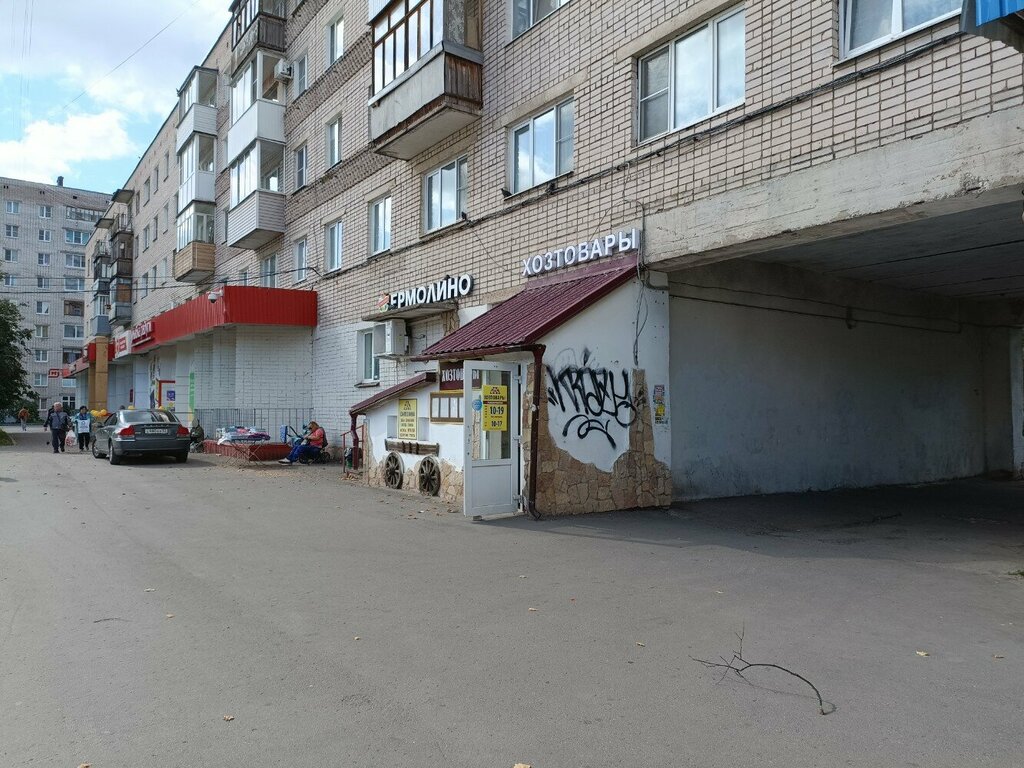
(181, 457)
(96, 454)
(112, 457)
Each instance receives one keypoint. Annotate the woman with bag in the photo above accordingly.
(83, 428)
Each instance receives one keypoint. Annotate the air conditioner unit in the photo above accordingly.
(283, 70)
(391, 340)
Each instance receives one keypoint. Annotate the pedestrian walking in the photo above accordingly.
(58, 423)
(23, 418)
(83, 428)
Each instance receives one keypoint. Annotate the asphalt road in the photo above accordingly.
(343, 626)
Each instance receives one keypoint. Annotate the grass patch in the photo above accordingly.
(1019, 574)
(5, 439)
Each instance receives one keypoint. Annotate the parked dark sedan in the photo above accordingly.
(139, 433)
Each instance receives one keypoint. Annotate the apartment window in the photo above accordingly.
(42, 307)
(41, 331)
(68, 401)
(299, 75)
(526, 13)
(45, 211)
(333, 248)
(195, 224)
(74, 331)
(10, 230)
(300, 167)
(693, 77)
(335, 40)
(404, 36)
(156, 179)
(39, 380)
(137, 203)
(10, 281)
(82, 214)
(301, 267)
(380, 225)
(68, 356)
(145, 238)
(74, 283)
(45, 235)
(10, 255)
(167, 216)
(268, 272)
(74, 260)
(42, 282)
(869, 23)
(43, 259)
(68, 384)
(444, 195)
(76, 237)
(144, 285)
(41, 355)
(161, 274)
(167, 165)
(259, 167)
(13, 206)
(74, 309)
(155, 229)
(369, 364)
(243, 277)
(542, 147)
(334, 142)
(243, 91)
(145, 191)
(196, 155)
(201, 89)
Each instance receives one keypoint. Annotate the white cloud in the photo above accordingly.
(47, 149)
(78, 43)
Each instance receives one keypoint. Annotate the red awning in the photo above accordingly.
(236, 305)
(543, 305)
(82, 363)
(426, 377)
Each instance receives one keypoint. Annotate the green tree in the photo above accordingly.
(14, 387)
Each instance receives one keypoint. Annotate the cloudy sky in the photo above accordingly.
(61, 113)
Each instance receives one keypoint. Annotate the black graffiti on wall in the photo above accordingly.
(596, 398)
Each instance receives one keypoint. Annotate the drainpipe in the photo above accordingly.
(531, 491)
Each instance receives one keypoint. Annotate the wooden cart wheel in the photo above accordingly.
(393, 471)
(429, 475)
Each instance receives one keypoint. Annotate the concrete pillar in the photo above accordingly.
(99, 373)
(1003, 366)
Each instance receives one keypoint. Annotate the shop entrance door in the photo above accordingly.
(491, 417)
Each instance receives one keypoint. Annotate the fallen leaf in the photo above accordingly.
(522, 576)
(923, 653)
(642, 645)
(150, 589)
(532, 609)
(85, 765)
(170, 615)
(998, 656)
(356, 637)
(228, 718)
(521, 765)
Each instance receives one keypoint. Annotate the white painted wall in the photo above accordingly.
(771, 401)
(449, 437)
(600, 340)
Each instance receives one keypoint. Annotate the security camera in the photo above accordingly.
(213, 296)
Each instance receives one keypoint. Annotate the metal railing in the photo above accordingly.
(269, 420)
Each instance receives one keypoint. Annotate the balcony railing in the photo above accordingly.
(99, 325)
(256, 29)
(256, 220)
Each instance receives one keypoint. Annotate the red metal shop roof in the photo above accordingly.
(543, 305)
(237, 305)
(425, 377)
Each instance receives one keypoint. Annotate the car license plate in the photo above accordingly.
(153, 431)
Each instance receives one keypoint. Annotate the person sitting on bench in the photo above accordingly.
(309, 446)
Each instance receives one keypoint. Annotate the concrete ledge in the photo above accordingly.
(258, 452)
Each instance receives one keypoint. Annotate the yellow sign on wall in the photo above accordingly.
(495, 393)
(495, 417)
(407, 427)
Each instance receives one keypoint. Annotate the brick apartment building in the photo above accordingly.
(679, 250)
(45, 229)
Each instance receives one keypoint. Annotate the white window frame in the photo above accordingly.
(10, 230)
(300, 82)
(301, 166)
(41, 355)
(367, 359)
(39, 380)
(534, 18)
(268, 272)
(78, 281)
(45, 235)
(530, 122)
(42, 307)
(146, 186)
(846, 18)
(300, 253)
(45, 211)
(78, 331)
(75, 237)
(68, 383)
(41, 332)
(11, 255)
(145, 238)
(70, 260)
(42, 282)
(10, 281)
(43, 259)
(12, 207)
(335, 47)
(380, 225)
(716, 109)
(334, 246)
(461, 167)
(243, 276)
(332, 140)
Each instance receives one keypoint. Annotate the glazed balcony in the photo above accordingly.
(99, 325)
(101, 286)
(194, 263)
(262, 120)
(120, 268)
(119, 312)
(256, 24)
(197, 105)
(200, 118)
(256, 220)
(427, 74)
(199, 187)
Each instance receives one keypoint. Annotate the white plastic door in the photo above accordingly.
(491, 415)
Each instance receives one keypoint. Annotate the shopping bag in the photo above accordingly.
(70, 439)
